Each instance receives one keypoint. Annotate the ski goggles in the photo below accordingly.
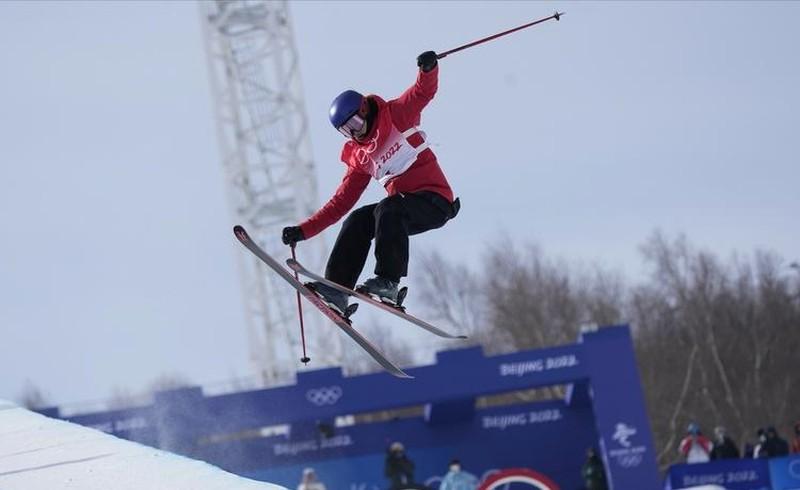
(352, 126)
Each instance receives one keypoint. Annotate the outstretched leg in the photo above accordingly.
(350, 251)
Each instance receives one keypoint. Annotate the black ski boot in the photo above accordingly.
(336, 299)
(384, 289)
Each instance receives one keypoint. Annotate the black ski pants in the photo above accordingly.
(390, 222)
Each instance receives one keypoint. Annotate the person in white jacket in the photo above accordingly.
(458, 479)
(310, 481)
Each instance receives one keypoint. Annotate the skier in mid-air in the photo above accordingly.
(384, 143)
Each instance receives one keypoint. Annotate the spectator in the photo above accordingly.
(759, 451)
(695, 447)
(593, 472)
(724, 447)
(458, 479)
(398, 468)
(749, 451)
(310, 481)
(796, 440)
(774, 445)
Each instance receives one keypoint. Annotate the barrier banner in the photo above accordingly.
(731, 474)
(275, 433)
(785, 473)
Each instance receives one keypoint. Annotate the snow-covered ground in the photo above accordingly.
(39, 453)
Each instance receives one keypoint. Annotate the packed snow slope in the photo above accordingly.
(39, 453)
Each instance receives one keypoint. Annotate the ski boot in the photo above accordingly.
(384, 290)
(334, 298)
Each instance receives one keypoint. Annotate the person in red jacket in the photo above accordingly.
(695, 447)
(385, 144)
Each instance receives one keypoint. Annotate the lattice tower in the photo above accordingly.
(266, 153)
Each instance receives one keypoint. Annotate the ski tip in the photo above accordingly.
(402, 375)
(461, 337)
(240, 232)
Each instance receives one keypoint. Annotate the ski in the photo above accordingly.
(313, 298)
(395, 310)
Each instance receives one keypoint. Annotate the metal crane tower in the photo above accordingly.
(266, 152)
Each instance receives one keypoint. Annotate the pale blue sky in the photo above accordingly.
(585, 135)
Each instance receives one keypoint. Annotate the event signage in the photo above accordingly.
(731, 474)
(785, 473)
(602, 408)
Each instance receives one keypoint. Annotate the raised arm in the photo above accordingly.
(409, 105)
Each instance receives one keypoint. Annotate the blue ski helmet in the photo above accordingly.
(344, 106)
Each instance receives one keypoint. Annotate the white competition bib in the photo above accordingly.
(393, 157)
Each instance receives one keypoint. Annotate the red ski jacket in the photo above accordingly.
(423, 175)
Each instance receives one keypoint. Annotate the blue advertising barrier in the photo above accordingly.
(518, 436)
(785, 473)
(738, 474)
(603, 408)
(731, 474)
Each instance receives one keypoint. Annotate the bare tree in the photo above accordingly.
(541, 302)
(523, 300)
(455, 299)
(717, 341)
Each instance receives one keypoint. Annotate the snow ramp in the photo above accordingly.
(40, 453)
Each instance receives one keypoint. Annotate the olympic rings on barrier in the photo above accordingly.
(326, 395)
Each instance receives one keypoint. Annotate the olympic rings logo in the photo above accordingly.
(630, 461)
(326, 395)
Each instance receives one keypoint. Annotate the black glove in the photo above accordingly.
(292, 235)
(427, 61)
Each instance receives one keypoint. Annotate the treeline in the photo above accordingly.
(717, 340)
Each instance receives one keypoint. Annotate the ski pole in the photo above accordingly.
(556, 16)
(305, 357)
